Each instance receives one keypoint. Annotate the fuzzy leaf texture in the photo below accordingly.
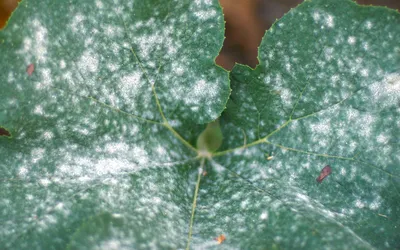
(102, 102)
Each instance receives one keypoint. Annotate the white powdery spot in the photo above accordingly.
(44, 182)
(200, 92)
(376, 203)
(48, 135)
(178, 68)
(116, 147)
(160, 40)
(113, 244)
(112, 31)
(364, 72)
(35, 50)
(175, 123)
(140, 155)
(200, 2)
(264, 216)
(329, 21)
(286, 96)
(321, 17)
(112, 67)
(130, 84)
(329, 53)
(62, 64)
(303, 197)
(288, 67)
(335, 78)
(22, 172)
(362, 122)
(351, 40)
(204, 15)
(111, 159)
(105, 167)
(76, 23)
(322, 127)
(382, 138)
(38, 110)
(161, 151)
(365, 45)
(316, 16)
(46, 79)
(99, 4)
(88, 62)
(59, 206)
(359, 204)
(386, 92)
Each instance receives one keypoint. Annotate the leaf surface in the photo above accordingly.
(98, 151)
(92, 94)
(326, 92)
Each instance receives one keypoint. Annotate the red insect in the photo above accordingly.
(324, 173)
(30, 69)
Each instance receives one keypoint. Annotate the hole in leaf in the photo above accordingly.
(4, 132)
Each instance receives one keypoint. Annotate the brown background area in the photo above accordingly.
(246, 22)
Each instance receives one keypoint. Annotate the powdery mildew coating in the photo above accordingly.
(327, 91)
(88, 139)
(103, 155)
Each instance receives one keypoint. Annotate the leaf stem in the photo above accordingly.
(196, 191)
(179, 137)
(153, 88)
(239, 148)
(262, 140)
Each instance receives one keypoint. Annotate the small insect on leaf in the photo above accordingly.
(30, 69)
(269, 157)
(324, 173)
(220, 239)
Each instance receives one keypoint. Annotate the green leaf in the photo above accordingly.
(93, 94)
(99, 150)
(326, 92)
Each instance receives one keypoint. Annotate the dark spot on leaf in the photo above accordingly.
(30, 69)
(4, 132)
(324, 173)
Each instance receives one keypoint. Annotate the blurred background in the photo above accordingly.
(246, 22)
